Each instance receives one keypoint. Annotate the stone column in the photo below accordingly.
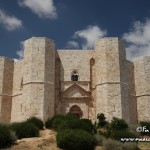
(6, 84)
(39, 77)
(142, 87)
(111, 87)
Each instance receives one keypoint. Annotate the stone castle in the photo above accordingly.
(84, 82)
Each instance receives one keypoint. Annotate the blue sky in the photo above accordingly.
(74, 24)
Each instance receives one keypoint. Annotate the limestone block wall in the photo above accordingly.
(18, 105)
(142, 86)
(131, 89)
(34, 81)
(78, 60)
(111, 88)
(75, 59)
(6, 84)
(39, 77)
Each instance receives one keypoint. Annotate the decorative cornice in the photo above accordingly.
(112, 83)
(38, 83)
(10, 95)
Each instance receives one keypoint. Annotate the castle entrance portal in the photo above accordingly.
(76, 110)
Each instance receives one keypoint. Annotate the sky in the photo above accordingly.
(74, 24)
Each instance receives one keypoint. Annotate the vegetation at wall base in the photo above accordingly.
(101, 120)
(7, 137)
(50, 122)
(118, 134)
(37, 122)
(25, 130)
(118, 124)
(75, 140)
(83, 124)
(110, 144)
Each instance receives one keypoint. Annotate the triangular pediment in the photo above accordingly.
(75, 91)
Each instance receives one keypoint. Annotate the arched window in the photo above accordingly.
(74, 76)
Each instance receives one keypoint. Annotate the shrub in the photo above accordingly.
(101, 120)
(147, 124)
(130, 146)
(75, 140)
(110, 144)
(100, 139)
(7, 137)
(118, 124)
(37, 122)
(70, 116)
(25, 130)
(49, 122)
(83, 124)
(56, 123)
(118, 134)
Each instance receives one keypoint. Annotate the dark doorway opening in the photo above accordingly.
(76, 110)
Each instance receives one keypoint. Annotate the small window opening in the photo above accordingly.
(21, 84)
(74, 76)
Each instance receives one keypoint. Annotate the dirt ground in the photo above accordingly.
(46, 141)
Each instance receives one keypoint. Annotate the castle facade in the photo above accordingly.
(84, 82)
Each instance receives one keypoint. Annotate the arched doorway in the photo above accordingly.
(76, 110)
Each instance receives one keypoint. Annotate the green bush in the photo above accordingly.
(130, 146)
(24, 130)
(49, 122)
(70, 116)
(37, 122)
(118, 124)
(75, 140)
(83, 124)
(101, 120)
(118, 134)
(110, 144)
(56, 123)
(7, 137)
(147, 124)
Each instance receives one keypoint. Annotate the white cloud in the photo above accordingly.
(20, 53)
(72, 44)
(43, 8)
(15, 60)
(138, 39)
(89, 36)
(9, 22)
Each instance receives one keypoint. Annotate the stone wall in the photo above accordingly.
(111, 89)
(142, 87)
(7, 66)
(67, 62)
(131, 89)
(34, 81)
(18, 105)
(40, 85)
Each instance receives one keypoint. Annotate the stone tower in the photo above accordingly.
(142, 87)
(111, 87)
(6, 85)
(38, 82)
